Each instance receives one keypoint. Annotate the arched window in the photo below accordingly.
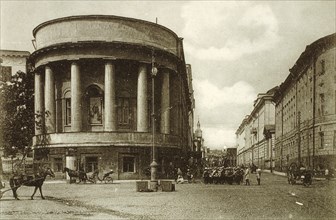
(95, 104)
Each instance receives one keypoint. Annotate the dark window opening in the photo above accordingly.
(95, 96)
(128, 164)
(91, 164)
(68, 111)
(5, 73)
(58, 164)
(321, 140)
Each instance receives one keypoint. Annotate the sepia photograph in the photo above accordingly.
(167, 109)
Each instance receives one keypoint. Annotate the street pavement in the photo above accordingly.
(273, 199)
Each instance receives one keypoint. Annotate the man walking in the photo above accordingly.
(247, 176)
(258, 173)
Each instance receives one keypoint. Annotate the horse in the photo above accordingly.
(17, 181)
(74, 173)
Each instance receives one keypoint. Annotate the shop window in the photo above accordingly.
(58, 165)
(91, 164)
(128, 164)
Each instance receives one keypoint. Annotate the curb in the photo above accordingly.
(284, 174)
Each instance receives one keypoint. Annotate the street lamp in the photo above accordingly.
(154, 164)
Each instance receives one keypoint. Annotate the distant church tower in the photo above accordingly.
(198, 131)
(199, 140)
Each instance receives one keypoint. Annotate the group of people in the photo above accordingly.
(230, 175)
(222, 175)
(247, 173)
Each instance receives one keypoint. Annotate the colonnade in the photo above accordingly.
(45, 99)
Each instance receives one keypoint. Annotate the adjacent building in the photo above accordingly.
(255, 135)
(295, 123)
(305, 116)
(12, 61)
(94, 89)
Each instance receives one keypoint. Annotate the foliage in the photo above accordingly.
(17, 113)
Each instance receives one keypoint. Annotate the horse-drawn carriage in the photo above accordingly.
(82, 176)
(19, 179)
(299, 175)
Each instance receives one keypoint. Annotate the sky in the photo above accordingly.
(237, 49)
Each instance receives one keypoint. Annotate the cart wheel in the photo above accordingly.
(1, 195)
(108, 179)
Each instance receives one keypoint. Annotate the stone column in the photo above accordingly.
(165, 103)
(142, 106)
(70, 162)
(76, 98)
(110, 99)
(38, 103)
(49, 100)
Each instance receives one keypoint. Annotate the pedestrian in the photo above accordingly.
(179, 178)
(326, 173)
(247, 176)
(258, 173)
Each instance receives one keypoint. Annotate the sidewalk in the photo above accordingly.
(284, 174)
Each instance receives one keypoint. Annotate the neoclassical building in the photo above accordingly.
(305, 111)
(255, 135)
(94, 90)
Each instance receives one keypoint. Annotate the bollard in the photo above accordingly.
(141, 186)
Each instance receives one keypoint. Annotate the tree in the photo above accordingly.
(17, 113)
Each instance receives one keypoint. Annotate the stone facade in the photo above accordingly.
(12, 61)
(306, 109)
(94, 88)
(255, 135)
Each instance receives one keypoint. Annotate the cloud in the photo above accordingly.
(221, 110)
(217, 31)
(219, 137)
(210, 96)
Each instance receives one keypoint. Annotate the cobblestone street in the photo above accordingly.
(275, 198)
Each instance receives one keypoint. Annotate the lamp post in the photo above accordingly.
(154, 164)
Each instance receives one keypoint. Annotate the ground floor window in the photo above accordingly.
(91, 164)
(58, 164)
(128, 164)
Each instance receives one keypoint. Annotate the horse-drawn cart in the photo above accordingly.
(299, 175)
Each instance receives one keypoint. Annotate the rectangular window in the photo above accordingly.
(334, 144)
(5, 73)
(58, 164)
(91, 164)
(322, 67)
(321, 140)
(128, 164)
(322, 104)
(68, 111)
